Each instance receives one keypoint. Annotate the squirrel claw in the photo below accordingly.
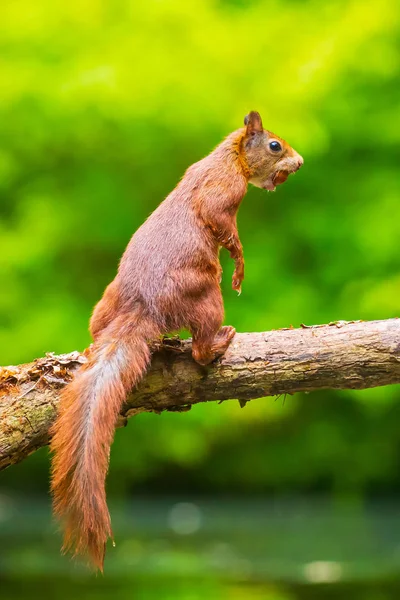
(237, 287)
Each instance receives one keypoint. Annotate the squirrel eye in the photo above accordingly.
(275, 146)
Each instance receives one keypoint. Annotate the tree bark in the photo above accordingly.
(340, 355)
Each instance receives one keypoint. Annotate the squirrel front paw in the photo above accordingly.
(237, 285)
(237, 279)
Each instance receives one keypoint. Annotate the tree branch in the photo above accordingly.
(341, 355)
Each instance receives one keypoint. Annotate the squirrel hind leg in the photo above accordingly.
(210, 340)
(205, 351)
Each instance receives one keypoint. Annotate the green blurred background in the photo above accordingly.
(103, 105)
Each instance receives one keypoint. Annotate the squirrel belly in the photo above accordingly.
(168, 278)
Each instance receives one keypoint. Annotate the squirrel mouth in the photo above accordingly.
(280, 177)
(277, 179)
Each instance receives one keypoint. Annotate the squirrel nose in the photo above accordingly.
(299, 161)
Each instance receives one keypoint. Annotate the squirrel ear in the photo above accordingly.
(253, 122)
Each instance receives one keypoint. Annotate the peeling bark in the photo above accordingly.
(340, 355)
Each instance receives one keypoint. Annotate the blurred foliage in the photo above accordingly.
(103, 106)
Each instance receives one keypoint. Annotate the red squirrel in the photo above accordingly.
(168, 279)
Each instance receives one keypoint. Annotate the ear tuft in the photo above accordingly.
(253, 122)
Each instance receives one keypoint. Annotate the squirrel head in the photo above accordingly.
(269, 159)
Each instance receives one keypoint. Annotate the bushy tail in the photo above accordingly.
(84, 430)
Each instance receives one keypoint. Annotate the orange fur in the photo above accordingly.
(83, 433)
(168, 278)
